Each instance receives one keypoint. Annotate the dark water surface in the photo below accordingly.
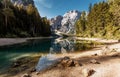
(9, 53)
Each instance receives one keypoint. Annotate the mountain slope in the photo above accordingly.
(66, 23)
(22, 2)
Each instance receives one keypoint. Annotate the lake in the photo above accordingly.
(41, 46)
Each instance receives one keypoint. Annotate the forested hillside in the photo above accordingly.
(103, 20)
(20, 21)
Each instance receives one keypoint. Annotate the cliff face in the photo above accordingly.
(56, 23)
(66, 23)
(22, 2)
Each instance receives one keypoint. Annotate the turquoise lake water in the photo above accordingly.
(49, 45)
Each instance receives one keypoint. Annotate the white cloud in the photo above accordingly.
(44, 3)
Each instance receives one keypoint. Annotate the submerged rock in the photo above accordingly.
(15, 64)
(33, 70)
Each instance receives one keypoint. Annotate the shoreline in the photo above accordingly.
(98, 40)
(12, 41)
(107, 59)
(104, 67)
(100, 61)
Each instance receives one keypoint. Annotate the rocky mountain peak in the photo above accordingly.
(22, 2)
(70, 16)
(67, 22)
(56, 22)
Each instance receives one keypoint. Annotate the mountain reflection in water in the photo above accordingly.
(41, 46)
(61, 45)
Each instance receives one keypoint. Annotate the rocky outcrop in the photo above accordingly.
(22, 2)
(56, 23)
(69, 20)
(65, 24)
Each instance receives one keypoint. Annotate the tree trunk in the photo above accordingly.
(5, 3)
(6, 21)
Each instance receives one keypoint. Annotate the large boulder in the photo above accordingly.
(68, 62)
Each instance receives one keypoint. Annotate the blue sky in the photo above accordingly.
(52, 8)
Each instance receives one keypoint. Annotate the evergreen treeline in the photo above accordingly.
(103, 20)
(20, 21)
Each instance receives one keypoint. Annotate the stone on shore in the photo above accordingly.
(94, 61)
(26, 75)
(68, 62)
(88, 72)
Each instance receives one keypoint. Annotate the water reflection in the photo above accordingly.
(41, 46)
(59, 45)
(63, 45)
(46, 61)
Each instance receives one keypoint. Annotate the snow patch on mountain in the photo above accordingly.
(56, 22)
(65, 24)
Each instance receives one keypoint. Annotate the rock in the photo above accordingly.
(114, 50)
(67, 62)
(116, 55)
(70, 63)
(88, 72)
(33, 70)
(65, 24)
(59, 65)
(69, 20)
(56, 23)
(24, 67)
(95, 54)
(15, 64)
(66, 58)
(76, 63)
(94, 61)
(105, 50)
(119, 40)
(26, 75)
(37, 73)
(22, 2)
